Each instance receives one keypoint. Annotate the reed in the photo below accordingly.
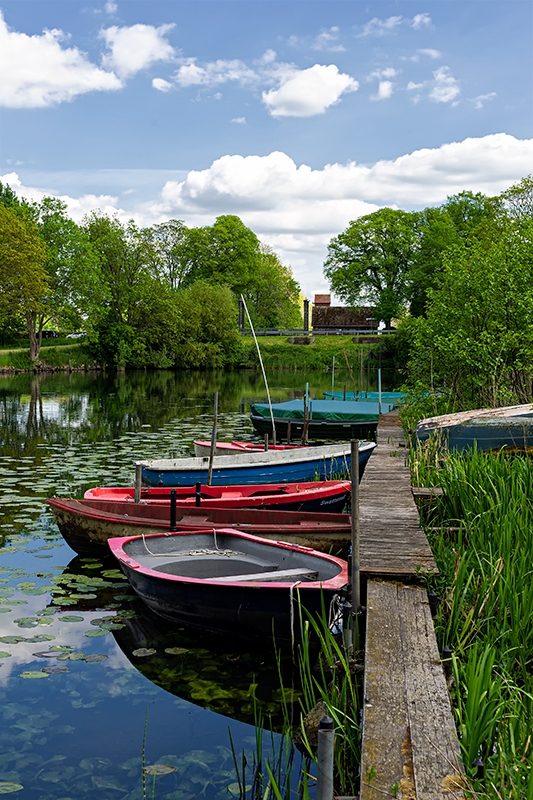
(486, 609)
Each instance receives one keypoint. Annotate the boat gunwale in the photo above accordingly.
(336, 583)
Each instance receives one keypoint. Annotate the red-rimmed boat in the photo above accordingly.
(226, 580)
(327, 496)
(86, 525)
(202, 448)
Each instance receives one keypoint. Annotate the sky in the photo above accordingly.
(298, 116)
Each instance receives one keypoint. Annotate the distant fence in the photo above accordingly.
(318, 332)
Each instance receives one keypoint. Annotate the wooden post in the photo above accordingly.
(138, 481)
(289, 432)
(213, 441)
(172, 526)
(266, 442)
(333, 380)
(356, 560)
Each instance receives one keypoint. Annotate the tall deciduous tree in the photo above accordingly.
(370, 262)
(23, 278)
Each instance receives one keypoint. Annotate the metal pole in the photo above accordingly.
(213, 441)
(138, 482)
(172, 526)
(379, 373)
(333, 380)
(356, 561)
(326, 742)
(263, 369)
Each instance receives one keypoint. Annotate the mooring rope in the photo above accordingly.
(201, 551)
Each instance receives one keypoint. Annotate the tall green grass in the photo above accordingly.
(484, 551)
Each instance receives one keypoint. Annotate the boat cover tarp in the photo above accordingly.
(335, 410)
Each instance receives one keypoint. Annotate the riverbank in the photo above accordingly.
(356, 358)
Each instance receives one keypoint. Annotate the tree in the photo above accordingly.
(369, 263)
(518, 200)
(166, 240)
(273, 296)
(477, 338)
(23, 278)
(69, 257)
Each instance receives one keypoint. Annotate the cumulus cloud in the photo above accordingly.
(135, 48)
(421, 21)
(428, 51)
(39, 71)
(445, 87)
(297, 210)
(309, 92)
(161, 85)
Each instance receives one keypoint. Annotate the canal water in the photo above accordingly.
(93, 686)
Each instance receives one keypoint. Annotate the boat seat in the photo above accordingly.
(298, 573)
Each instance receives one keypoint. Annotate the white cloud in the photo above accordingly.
(161, 85)
(421, 21)
(427, 51)
(136, 47)
(327, 40)
(214, 73)
(110, 7)
(309, 92)
(38, 71)
(297, 210)
(239, 120)
(384, 91)
(481, 99)
(445, 87)
(383, 27)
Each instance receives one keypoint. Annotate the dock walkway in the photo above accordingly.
(409, 747)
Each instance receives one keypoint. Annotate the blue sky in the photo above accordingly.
(296, 115)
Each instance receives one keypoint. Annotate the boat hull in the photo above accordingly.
(257, 609)
(509, 428)
(318, 496)
(203, 448)
(290, 466)
(86, 525)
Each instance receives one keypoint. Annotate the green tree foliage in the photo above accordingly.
(370, 262)
(272, 298)
(23, 277)
(477, 337)
(166, 247)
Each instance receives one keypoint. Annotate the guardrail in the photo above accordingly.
(321, 332)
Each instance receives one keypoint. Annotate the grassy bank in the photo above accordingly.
(54, 355)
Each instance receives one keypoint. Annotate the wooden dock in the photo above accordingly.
(409, 749)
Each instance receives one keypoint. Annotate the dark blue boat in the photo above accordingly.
(509, 428)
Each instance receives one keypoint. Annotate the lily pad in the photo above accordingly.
(143, 652)
(94, 657)
(33, 674)
(176, 651)
(4, 654)
(53, 670)
(159, 769)
(71, 618)
(8, 788)
(97, 632)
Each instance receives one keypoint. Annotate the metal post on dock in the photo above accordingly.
(198, 495)
(356, 558)
(138, 482)
(266, 442)
(213, 441)
(325, 760)
(173, 504)
(333, 380)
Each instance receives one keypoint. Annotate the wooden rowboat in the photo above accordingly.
(86, 525)
(300, 464)
(230, 581)
(330, 496)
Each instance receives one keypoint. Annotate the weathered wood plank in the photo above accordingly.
(409, 736)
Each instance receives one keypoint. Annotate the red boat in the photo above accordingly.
(203, 448)
(327, 496)
(86, 525)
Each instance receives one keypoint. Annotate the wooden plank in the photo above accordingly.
(392, 542)
(409, 740)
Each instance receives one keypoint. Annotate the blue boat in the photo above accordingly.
(509, 428)
(323, 462)
(323, 419)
